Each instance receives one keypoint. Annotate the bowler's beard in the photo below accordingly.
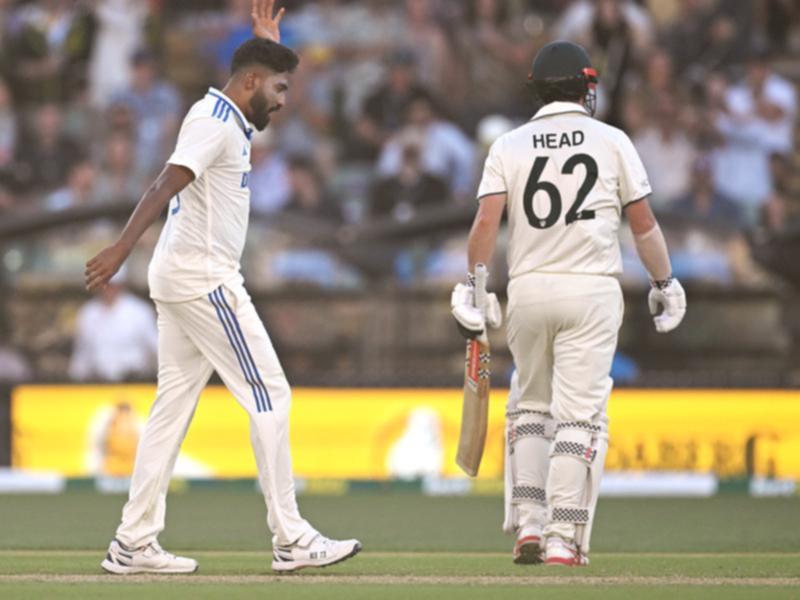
(260, 108)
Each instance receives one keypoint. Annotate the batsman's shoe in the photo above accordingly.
(528, 550)
(148, 559)
(561, 552)
(319, 552)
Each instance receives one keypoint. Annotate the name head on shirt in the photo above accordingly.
(554, 141)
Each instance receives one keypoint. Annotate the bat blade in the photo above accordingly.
(475, 408)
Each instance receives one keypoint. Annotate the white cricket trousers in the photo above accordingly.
(562, 332)
(220, 332)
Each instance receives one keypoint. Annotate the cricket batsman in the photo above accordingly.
(206, 320)
(565, 179)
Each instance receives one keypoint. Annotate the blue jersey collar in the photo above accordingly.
(246, 127)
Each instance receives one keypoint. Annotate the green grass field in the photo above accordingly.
(728, 547)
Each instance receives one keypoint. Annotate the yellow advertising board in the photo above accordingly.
(380, 433)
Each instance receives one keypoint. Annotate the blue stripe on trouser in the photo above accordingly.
(259, 389)
(246, 349)
(240, 355)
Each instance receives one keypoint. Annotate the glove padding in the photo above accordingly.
(471, 319)
(672, 300)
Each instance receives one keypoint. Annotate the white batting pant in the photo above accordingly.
(221, 332)
(562, 333)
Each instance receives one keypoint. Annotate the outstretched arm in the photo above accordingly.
(266, 23)
(102, 267)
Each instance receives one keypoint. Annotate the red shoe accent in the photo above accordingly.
(566, 562)
(576, 561)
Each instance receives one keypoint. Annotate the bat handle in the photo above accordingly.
(481, 276)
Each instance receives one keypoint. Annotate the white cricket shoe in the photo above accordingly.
(319, 552)
(147, 559)
(558, 551)
(528, 549)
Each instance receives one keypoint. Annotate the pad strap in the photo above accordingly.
(528, 494)
(580, 425)
(575, 449)
(569, 514)
(528, 424)
(518, 412)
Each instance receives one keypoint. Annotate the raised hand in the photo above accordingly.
(266, 23)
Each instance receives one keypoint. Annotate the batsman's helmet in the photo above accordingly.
(563, 71)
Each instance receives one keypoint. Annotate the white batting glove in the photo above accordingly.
(667, 295)
(471, 319)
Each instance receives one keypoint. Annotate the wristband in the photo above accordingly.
(662, 284)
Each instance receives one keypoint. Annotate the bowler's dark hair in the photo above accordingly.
(272, 55)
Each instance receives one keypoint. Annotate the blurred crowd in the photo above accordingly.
(394, 106)
(389, 118)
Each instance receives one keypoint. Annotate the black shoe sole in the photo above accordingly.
(529, 554)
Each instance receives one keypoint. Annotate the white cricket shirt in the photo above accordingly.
(567, 177)
(202, 241)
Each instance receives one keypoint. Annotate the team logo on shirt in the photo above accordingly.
(245, 179)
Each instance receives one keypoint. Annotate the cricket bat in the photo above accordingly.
(475, 409)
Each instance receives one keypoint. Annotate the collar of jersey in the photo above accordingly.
(559, 108)
(248, 131)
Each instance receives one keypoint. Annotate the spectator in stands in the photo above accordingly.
(79, 190)
(115, 336)
(704, 204)
(119, 34)
(303, 124)
(780, 16)
(156, 106)
(308, 195)
(384, 109)
(411, 189)
(777, 215)
(754, 119)
(49, 44)
(767, 99)
(120, 118)
(45, 154)
(614, 32)
(666, 151)
(657, 79)
(446, 151)
(495, 51)
(709, 36)
(269, 179)
(430, 46)
(118, 179)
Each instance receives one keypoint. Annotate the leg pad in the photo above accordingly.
(525, 494)
(568, 514)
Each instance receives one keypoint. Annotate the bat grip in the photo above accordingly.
(481, 275)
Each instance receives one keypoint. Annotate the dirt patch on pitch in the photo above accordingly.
(396, 580)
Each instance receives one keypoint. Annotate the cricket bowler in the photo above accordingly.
(565, 179)
(206, 320)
